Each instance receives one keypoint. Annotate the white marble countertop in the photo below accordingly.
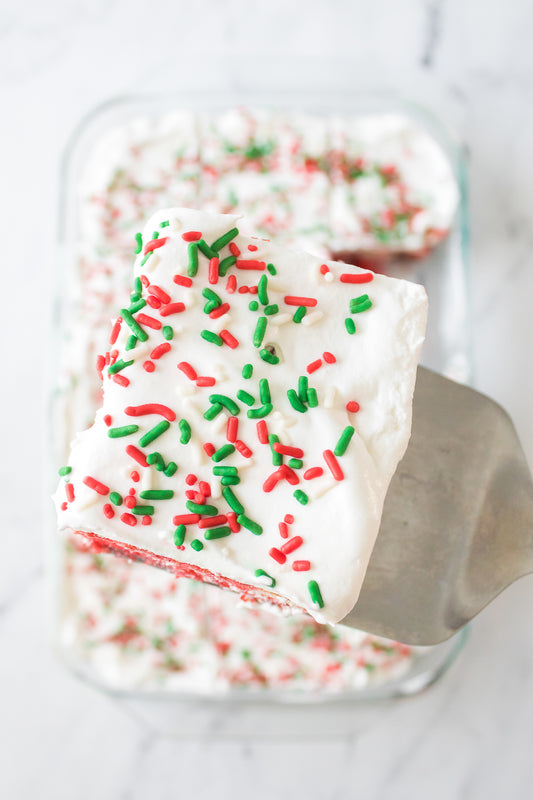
(468, 737)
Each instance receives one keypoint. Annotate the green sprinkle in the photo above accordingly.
(253, 305)
(179, 535)
(116, 498)
(197, 508)
(358, 304)
(262, 291)
(119, 365)
(271, 309)
(142, 510)
(209, 294)
(213, 411)
(230, 480)
(137, 285)
(225, 401)
(225, 264)
(245, 397)
(134, 296)
(170, 469)
(294, 463)
(131, 343)
(225, 470)
(138, 243)
(62, 471)
(217, 533)
(225, 239)
(156, 494)
(264, 390)
(154, 432)
(312, 397)
(168, 333)
(156, 460)
(260, 573)
(147, 256)
(233, 502)
(125, 430)
(197, 545)
(350, 325)
(204, 248)
(209, 336)
(133, 325)
(295, 401)
(192, 267)
(269, 357)
(344, 440)
(303, 385)
(134, 307)
(223, 452)
(277, 458)
(259, 413)
(185, 429)
(301, 497)
(155, 235)
(249, 524)
(259, 333)
(272, 269)
(315, 594)
(165, 224)
(247, 371)
(299, 314)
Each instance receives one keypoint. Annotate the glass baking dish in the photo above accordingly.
(246, 709)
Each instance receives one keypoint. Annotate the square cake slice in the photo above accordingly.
(256, 402)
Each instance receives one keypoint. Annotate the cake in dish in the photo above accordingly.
(256, 403)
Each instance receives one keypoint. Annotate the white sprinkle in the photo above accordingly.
(280, 319)
(146, 479)
(329, 277)
(219, 371)
(189, 298)
(91, 500)
(247, 462)
(216, 490)
(310, 319)
(175, 224)
(186, 390)
(152, 262)
(330, 396)
(320, 487)
(276, 285)
(219, 423)
(220, 323)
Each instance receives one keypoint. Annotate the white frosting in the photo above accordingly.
(376, 367)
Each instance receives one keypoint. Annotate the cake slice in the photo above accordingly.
(256, 402)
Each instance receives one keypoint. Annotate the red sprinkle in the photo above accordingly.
(277, 555)
(324, 269)
(364, 277)
(301, 566)
(153, 302)
(253, 289)
(121, 380)
(289, 474)
(231, 429)
(211, 522)
(172, 308)
(292, 545)
(283, 530)
(160, 350)
(219, 311)
(129, 519)
(149, 366)
(191, 236)
(190, 494)
(352, 407)
(294, 300)
(313, 472)
(108, 419)
(186, 519)
(229, 339)
(231, 284)
(64, 506)
(285, 450)
(69, 491)
(150, 408)
(100, 364)
(314, 365)
(205, 488)
(108, 510)
(243, 263)
(232, 521)
(252, 248)
(130, 501)
(160, 293)
(187, 370)
(243, 449)
(150, 322)
(145, 282)
(146, 520)
(329, 358)
(182, 280)
(115, 330)
(205, 380)
(134, 475)
(234, 250)
(262, 431)
(209, 449)
(137, 455)
(243, 289)
(190, 479)
(333, 464)
(92, 483)
(213, 270)
(154, 244)
(289, 519)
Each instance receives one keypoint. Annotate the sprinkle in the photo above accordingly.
(219, 311)
(116, 498)
(262, 292)
(168, 333)
(272, 269)
(108, 511)
(125, 430)
(131, 342)
(213, 411)
(296, 463)
(303, 387)
(191, 236)
(160, 293)
(253, 305)
(190, 479)
(233, 522)
(154, 433)
(62, 471)
(232, 501)
(179, 535)
(205, 380)
(289, 519)
(301, 566)
(209, 294)
(292, 545)
(252, 248)
(192, 267)
(259, 332)
(358, 277)
(137, 455)
(69, 491)
(129, 519)
(231, 429)
(249, 264)
(156, 460)
(160, 350)
(187, 370)
(277, 458)
(150, 322)
(312, 397)
(170, 469)
(186, 519)
(171, 308)
(153, 302)
(197, 545)
(350, 325)
(277, 555)
(225, 470)
(92, 483)
(149, 366)
(324, 269)
(223, 267)
(313, 472)
(153, 244)
(245, 397)
(231, 283)
(352, 407)
(250, 525)
(223, 452)
(209, 336)
(295, 401)
(283, 530)
(315, 594)
(115, 330)
(140, 510)
(234, 250)
(229, 339)
(301, 497)
(269, 357)
(273, 308)
(358, 304)
(287, 451)
(198, 508)
(182, 280)
(212, 522)
(225, 401)
(293, 300)
(121, 380)
(264, 390)
(314, 365)
(260, 573)
(217, 533)
(204, 248)
(333, 464)
(247, 371)
(344, 440)
(225, 239)
(133, 325)
(329, 358)
(138, 243)
(243, 449)
(213, 271)
(134, 475)
(157, 494)
(299, 314)
(259, 413)
(262, 431)
(209, 449)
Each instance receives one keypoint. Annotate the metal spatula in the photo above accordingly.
(457, 526)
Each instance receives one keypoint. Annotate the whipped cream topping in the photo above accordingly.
(363, 393)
